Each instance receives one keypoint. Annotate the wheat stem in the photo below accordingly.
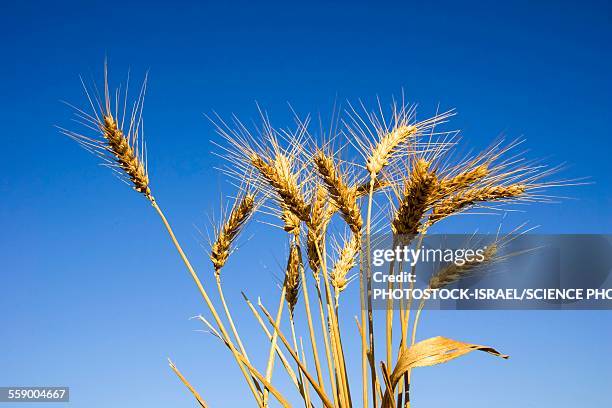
(231, 320)
(368, 281)
(408, 374)
(321, 248)
(273, 390)
(326, 341)
(197, 396)
(406, 323)
(361, 328)
(390, 402)
(416, 321)
(270, 364)
(306, 387)
(389, 313)
(326, 402)
(207, 300)
(295, 346)
(331, 316)
(279, 352)
(311, 333)
(337, 345)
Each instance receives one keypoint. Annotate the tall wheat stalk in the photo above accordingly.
(307, 187)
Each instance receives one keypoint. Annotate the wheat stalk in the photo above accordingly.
(196, 395)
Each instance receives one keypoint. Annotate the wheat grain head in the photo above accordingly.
(347, 259)
(414, 201)
(292, 276)
(228, 232)
(343, 195)
(121, 150)
(453, 272)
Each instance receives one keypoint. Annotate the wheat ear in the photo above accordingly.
(467, 198)
(414, 200)
(345, 197)
(453, 272)
(386, 147)
(126, 158)
(292, 276)
(239, 215)
(346, 261)
(284, 182)
(461, 181)
(122, 151)
(316, 227)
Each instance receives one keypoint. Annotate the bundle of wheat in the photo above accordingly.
(305, 185)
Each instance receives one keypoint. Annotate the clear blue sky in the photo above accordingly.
(92, 294)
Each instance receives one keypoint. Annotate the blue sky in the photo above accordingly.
(93, 295)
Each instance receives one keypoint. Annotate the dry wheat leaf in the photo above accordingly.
(435, 350)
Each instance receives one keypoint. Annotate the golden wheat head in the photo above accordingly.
(343, 195)
(227, 233)
(386, 146)
(319, 217)
(346, 261)
(121, 150)
(414, 200)
(469, 197)
(292, 276)
(454, 272)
